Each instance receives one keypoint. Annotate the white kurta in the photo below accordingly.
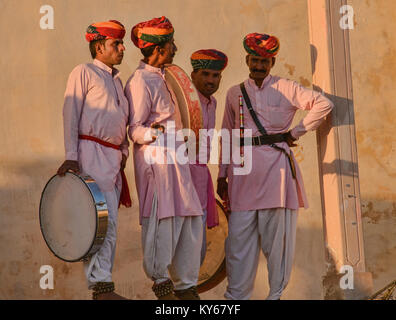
(270, 184)
(150, 101)
(264, 202)
(170, 209)
(95, 105)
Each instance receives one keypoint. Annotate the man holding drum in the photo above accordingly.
(208, 65)
(95, 117)
(170, 210)
(265, 202)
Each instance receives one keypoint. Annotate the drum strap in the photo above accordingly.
(125, 197)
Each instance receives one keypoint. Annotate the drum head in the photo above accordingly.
(68, 217)
(213, 268)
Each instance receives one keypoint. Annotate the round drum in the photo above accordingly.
(213, 268)
(73, 217)
(187, 99)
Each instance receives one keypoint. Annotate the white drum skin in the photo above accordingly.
(73, 217)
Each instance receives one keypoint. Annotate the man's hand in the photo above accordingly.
(69, 165)
(123, 162)
(290, 139)
(156, 129)
(222, 188)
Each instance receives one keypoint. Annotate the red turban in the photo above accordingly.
(105, 30)
(152, 32)
(262, 45)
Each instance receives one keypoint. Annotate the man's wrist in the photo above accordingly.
(71, 156)
(290, 135)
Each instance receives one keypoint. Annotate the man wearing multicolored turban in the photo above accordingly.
(264, 202)
(95, 118)
(170, 210)
(152, 32)
(98, 33)
(208, 65)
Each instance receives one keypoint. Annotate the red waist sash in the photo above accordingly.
(125, 197)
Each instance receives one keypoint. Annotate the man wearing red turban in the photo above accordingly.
(170, 210)
(95, 118)
(264, 201)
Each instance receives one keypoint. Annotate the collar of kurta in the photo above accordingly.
(146, 66)
(253, 84)
(113, 71)
(206, 100)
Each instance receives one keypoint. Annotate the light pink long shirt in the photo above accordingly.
(270, 183)
(151, 101)
(199, 173)
(95, 105)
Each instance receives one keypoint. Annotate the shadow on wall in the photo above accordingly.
(378, 215)
(309, 263)
(23, 250)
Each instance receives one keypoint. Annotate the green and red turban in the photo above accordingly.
(262, 45)
(152, 32)
(112, 29)
(209, 59)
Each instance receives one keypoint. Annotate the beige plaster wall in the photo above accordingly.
(373, 53)
(35, 65)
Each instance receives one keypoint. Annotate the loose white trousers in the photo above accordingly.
(172, 245)
(272, 230)
(100, 266)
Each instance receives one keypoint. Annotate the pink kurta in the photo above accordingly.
(270, 183)
(95, 105)
(200, 173)
(150, 101)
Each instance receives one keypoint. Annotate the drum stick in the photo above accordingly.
(241, 130)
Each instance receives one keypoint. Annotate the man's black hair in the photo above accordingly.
(92, 47)
(148, 51)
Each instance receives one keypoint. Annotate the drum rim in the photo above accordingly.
(221, 272)
(168, 68)
(96, 220)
